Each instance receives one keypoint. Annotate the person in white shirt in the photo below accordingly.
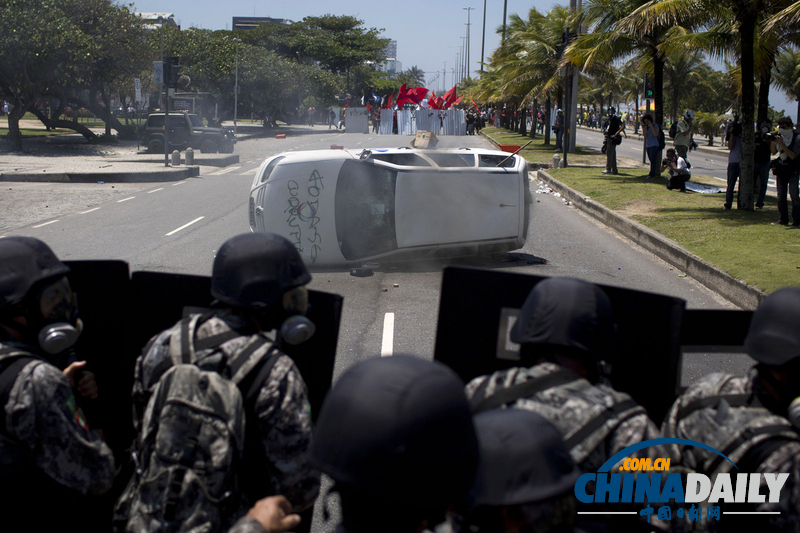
(679, 172)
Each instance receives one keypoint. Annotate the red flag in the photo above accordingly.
(417, 94)
(388, 101)
(450, 97)
(474, 104)
(432, 101)
(402, 96)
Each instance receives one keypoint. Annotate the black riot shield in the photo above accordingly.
(103, 294)
(478, 308)
(161, 299)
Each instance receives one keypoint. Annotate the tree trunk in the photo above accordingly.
(14, 116)
(534, 118)
(763, 97)
(107, 113)
(547, 122)
(747, 24)
(523, 125)
(65, 124)
(658, 87)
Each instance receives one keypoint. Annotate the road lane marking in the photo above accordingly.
(388, 335)
(184, 226)
(155, 190)
(179, 183)
(247, 172)
(125, 199)
(225, 171)
(90, 210)
(45, 224)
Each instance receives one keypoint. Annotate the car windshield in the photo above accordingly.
(494, 160)
(409, 160)
(365, 224)
(197, 122)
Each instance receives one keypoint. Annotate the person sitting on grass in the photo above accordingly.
(678, 168)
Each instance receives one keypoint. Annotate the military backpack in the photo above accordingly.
(192, 438)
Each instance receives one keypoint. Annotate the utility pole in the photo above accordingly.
(505, 10)
(483, 37)
(236, 88)
(468, 9)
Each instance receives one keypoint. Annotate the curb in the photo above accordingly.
(736, 291)
(176, 174)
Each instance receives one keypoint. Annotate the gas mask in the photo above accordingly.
(296, 327)
(54, 324)
(794, 412)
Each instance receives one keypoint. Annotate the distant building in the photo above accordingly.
(249, 23)
(391, 65)
(391, 49)
(154, 21)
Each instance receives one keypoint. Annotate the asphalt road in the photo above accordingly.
(177, 227)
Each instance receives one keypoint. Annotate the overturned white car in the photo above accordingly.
(345, 207)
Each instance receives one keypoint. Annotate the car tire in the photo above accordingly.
(155, 146)
(226, 148)
(208, 147)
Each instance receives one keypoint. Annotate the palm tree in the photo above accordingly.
(786, 74)
(416, 75)
(683, 70)
(741, 15)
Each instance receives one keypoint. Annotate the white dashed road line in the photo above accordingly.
(388, 335)
(247, 172)
(179, 183)
(89, 211)
(184, 226)
(224, 171)
(45, 224)
(125, 199)
(155, 190)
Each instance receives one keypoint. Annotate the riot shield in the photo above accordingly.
(103, 294)
(478, 308)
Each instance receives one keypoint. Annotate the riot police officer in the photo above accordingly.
(258, 281)
(752, 419)
(48, 453)
(396, 436)
(567, 335)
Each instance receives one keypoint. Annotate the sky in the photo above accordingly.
(429, 34)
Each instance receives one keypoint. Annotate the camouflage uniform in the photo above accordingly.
(700, 415)
(282, 408)
(571, 406)
(577, 408)
(46, 439)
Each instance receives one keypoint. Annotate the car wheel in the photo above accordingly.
(226, 148)
(208, 147)
(155, 146)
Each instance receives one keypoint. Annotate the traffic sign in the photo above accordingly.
(137, 84)
(158, 72)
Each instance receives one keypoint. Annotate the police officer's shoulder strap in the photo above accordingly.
(629, 407)
(756, 455)
(734, 400)
(526, 389)
(183, 346)
(12, 362)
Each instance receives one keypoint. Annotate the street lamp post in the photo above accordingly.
(236, 88)
(165, 102)
(483, 37)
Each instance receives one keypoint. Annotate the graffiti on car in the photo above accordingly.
(302, 210)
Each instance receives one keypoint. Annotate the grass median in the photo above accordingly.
(743, 243)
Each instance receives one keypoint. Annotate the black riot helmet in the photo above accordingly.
(25, 263)
(774, 337)
(255, 269)
(399, 431)
(523, 459)
(569, 313)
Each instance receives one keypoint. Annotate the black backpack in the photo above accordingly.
(673, 130)
(662, 143)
